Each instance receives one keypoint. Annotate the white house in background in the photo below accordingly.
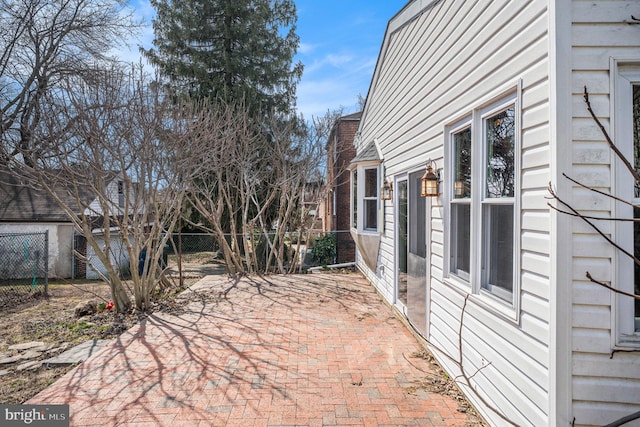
(115, 197)
(492, 93)
(24, 209)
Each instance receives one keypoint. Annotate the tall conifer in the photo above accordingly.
(228, 49)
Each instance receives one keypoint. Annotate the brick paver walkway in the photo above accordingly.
(307, 350)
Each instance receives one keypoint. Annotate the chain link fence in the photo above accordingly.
(199, 254)
(194, 248)
(24, 259)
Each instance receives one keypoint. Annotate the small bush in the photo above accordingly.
(324, 249)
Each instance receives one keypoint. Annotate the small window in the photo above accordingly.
(461, 205)
(354, 199)
(370, 199)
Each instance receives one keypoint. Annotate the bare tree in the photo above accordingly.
(42, 42)
(254, 182)
(593, 221)
(113, 140)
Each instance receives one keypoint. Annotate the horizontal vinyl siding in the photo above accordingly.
(606, 385)
(434, 71)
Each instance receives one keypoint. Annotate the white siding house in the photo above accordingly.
(490, 94)
(24, 209)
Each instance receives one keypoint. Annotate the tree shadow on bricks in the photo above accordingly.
(276, 347)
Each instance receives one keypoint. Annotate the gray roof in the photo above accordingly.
(22, 203)
(368, 154)
(354, 116)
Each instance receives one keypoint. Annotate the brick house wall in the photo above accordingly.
(340, 152)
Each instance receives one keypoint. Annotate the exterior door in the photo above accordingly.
(402, 244)
(417, 255)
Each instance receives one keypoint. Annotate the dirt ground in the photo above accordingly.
(51, 320)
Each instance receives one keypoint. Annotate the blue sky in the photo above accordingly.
(339, 44)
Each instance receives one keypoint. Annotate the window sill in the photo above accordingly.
(457, 284)
(484, 300)
(628, 343)
(498, 306)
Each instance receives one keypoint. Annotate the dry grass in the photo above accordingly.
(51, 320)
(440, 382)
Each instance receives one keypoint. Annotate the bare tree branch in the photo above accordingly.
(611, 196)
(611, 288)
(613, 147)
(592, 225)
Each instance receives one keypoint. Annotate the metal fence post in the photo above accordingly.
(46, 262)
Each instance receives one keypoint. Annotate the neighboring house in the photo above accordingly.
(24, 210)
(118, 256)
(340, 151)
(115, 197)
(492, 93)
(313, 206)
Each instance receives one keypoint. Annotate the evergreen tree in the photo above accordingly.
(229, 50)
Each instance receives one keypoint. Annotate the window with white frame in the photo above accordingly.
(365, 196)
(636, 211)
(370, 200)
(627, 137)
(354, 199)
(461, 204)
(497, 212)
(482, 200)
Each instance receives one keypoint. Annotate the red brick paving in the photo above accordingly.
(312, 350)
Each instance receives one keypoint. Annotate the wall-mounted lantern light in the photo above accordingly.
(387, 190)
(430, 181)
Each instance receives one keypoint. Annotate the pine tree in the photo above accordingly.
(231, 50)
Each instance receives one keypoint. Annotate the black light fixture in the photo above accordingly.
(387, 191)
(429, 181)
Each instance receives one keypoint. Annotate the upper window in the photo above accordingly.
(481, 200)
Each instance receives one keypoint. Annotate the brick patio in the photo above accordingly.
(306, 350)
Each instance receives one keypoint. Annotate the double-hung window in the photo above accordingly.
(461, 204)
(370, 200)
(481, 194)
(626, 113)
(499, 131)
(354, 199)
(365, 198)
